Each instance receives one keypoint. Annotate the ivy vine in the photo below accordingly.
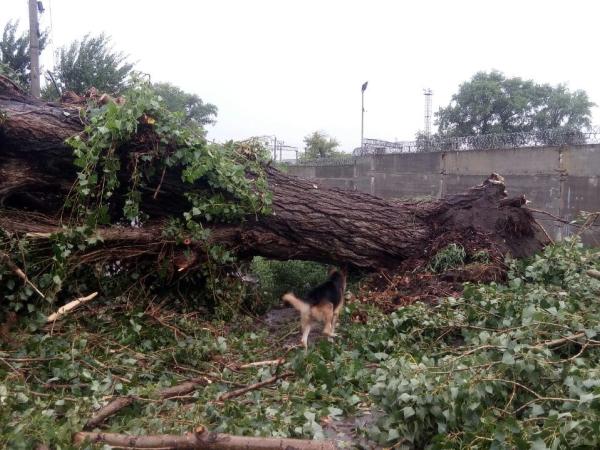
(126, 149)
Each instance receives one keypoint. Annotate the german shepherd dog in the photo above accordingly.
(322, 304)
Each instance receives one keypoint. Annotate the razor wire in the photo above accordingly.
(538, 138)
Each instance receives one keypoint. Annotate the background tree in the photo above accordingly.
(195, 110)
(88, 63)
(14, 53)
(493, 103)
(319, 145)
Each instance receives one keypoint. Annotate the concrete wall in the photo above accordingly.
(559, 180)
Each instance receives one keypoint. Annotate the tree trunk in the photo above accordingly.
(308, 221)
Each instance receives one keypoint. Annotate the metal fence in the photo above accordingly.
(541, 138)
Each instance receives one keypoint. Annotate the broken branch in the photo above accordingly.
(202, 439)
(270, 362)
(183, 388)
(121, 402)
(108, 410)
(242, 391)
(69, 307)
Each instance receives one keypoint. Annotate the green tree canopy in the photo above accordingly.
(88, 63)
(196, 112)
(492, 103)
(14, 53)
(320, 145)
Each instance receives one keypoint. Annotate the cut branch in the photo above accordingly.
(200, 440)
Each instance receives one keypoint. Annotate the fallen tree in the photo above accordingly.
(307, 221)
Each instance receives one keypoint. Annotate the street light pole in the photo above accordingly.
(362, 117)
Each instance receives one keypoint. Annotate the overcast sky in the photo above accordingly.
(287, 68)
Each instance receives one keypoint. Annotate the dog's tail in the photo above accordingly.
(297, 303)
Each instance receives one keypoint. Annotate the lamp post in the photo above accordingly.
(362, 117)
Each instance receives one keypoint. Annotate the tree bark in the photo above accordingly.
(308, 222)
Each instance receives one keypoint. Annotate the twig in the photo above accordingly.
(544, 231)
(69, 307)
(555, 342)
(590, 221)
(201, 439)
(242, 391)
(271, 362)
(556, 218)
(4, 258)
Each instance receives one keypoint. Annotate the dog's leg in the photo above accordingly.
(328, 318)
(305, 322)
(336, 316)
(334, 324)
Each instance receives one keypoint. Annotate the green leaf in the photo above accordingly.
(538, 444)
(508, 358)
(408, 411)
(537, 410)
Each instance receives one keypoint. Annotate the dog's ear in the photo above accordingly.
(331, 270)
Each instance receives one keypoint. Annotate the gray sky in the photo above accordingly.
(287, 68)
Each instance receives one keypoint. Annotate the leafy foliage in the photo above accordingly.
(505, 366)
(492, 103)
(195, 111)
(177, 146)
(14, 53)
(89, 63)
(319, 145)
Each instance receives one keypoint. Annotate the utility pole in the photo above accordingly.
(362, 117)
(34, 48)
